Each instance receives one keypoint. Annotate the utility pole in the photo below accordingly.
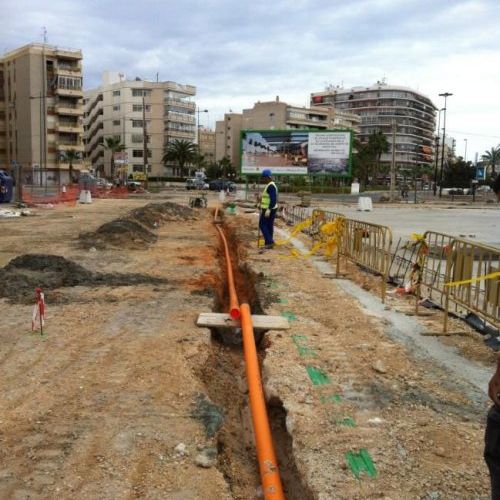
(144, 141)
(445, 95)
(43, 95)
(393, 162)
(465, 154)
(437, 153)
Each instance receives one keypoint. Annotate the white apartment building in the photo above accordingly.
(115, 109)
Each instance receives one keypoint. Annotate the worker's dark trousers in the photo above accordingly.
(492, 450)
(266, 225)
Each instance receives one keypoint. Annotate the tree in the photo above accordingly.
(180, 151)
(199, 160)
(459, 174)
(363, 162)
(213, 171)
(226, 167)
(492, 158)
(114, 145)
(377, 145)
(70, 156)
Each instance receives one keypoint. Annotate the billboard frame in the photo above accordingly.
(307, 174)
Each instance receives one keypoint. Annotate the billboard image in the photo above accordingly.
(296, 152)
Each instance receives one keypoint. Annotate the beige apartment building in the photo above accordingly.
(41, 111)
(206, 144)
(115, 109)
(280, 116)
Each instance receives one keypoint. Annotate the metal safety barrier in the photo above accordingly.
(364, 243)
(467, 286)
(449, 260)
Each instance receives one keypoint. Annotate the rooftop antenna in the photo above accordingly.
(44, 34)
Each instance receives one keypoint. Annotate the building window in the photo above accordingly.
(137, 123)
(116, 122)
(116, 93)
(116, 107)
(140, 92)
(137, 138)
(138, 153)
(137, 168)
(138, 107)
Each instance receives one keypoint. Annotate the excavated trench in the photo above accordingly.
(224, 377)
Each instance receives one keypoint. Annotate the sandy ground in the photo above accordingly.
(96, 407)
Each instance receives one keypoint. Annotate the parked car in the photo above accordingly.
(222, 185)
(196, 184)
(483, 189)
(133, 185)
(103, 183)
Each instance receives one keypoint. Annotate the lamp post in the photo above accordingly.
(437, 152)
(198, 111)
(465, 153)
(445, 95)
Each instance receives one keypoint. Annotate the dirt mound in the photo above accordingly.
(155, 214)
(133, 230)
(124, 232)
(24, 273)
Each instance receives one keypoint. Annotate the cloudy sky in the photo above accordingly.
(239, 52)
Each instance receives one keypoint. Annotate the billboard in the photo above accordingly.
(302, 152)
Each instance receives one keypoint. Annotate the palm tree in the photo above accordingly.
(70, 156)
(492, 158)
(378, 144)
(115, 145)
(180, 151)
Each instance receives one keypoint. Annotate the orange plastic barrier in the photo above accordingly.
(234, 307)
(268, 466)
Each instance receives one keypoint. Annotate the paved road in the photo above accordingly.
(481, 224)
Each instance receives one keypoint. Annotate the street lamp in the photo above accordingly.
(437, 152)
(465, 154)
(198, 111)
(445, 95)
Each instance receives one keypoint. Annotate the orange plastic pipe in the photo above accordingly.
(268, 466)
(234, 305)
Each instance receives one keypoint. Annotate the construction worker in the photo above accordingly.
(492, 436)
(268, 208)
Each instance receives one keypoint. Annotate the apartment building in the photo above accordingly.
(206, 144)
(382, 107)
(41, 111)
(280, 116)
(118, 108)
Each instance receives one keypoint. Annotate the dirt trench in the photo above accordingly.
(224, 377)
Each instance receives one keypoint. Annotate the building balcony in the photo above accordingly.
(185, 89)
(179, 134)
(307, 122)
(180, 118)
(65, 145)
(66, 108)
(69, 92)
(69, 128)
(68, 71)
(180, 103)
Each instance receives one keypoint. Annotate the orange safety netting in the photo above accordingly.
(69, 197)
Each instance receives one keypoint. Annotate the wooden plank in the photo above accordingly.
(260, 322)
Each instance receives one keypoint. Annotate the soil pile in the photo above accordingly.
(125, 232)
(133, 231)
(154, 214)
(24, 273)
